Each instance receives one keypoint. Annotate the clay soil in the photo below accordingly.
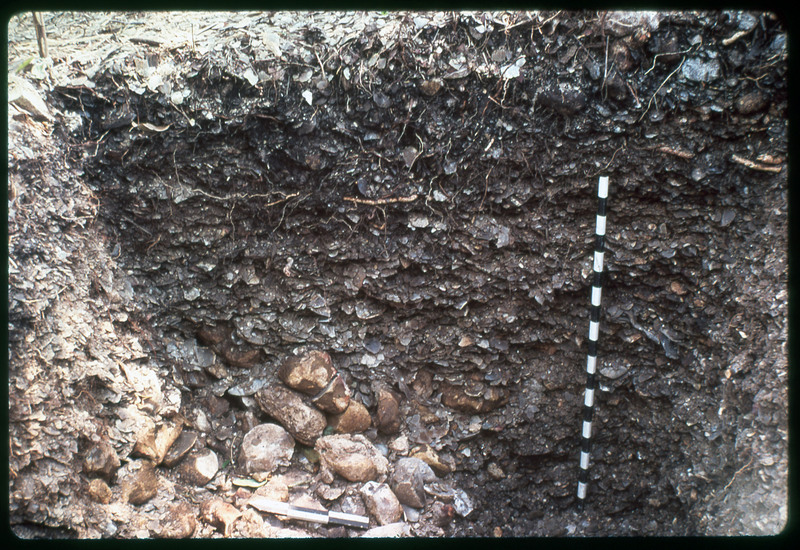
(413, 193)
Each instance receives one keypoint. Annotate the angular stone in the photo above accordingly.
(216, 406)
(442, 513)
(250, 525)
(335, 398)
(430, 457)
(351, 456)
(219, 513)
(388, 414)
(275, 489)
(211, 336)
(26, 96)
(179, 523)
(408, 480)
(354, 419)
(144, 484)
(399, 445)
(308, 373)
(145, 445)
(381, 503)
(495, 471)
(166, 436)
(265, 448)
(180, 448)
(431, 87)
(101, 460)
(456, 398)
(199, 468)
(236, 357)
(392, 530)
(99, 491)
(330, 492)
(286, 406)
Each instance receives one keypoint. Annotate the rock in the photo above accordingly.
(179, 523)
(388, 414)
(330, 492)
(101, 460)
(265, 448)
(565, 100)
(622, 23)
(286, 406)
(275, 489)
(25, 95)
(313, 373)
(166, 436)
(153, 443)
(219, 514)
(423, 381)
(250, 525)
(381, 502)
(462, 503)
(144, 484)
(410, 514)
(495, 471)
(486, 400)
(335, 398)
(308, 373)
(211, 336)
(236, 357)
(241, 497)
(701, 71)
(408, 480)
(621, 56)
(304, 500)
(354, 419)
(180, 448)
(442, 513)
(145, 445)
(392, 530)
(199, 468)
(351, 456)
(431, 87)
(216, 406)
(430, 457)
(99, 491)
(399, 445)
(751, 103)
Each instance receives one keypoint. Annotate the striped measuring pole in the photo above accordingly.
(594, 332)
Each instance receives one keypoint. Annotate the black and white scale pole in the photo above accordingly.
(594, 332)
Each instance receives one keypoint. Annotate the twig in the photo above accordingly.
(755, 166)
(736, 36)
(677, 152)
(624, 144)
(379, 202)
(145, 41)
(41, 35)
(605, 71)
(659, 88)
(321, 66)
(666, 53)
(743, 468)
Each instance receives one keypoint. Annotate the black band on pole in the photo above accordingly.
(594, 332)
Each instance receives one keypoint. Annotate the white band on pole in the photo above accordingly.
(601, 225)
(598, 261)
(591, 364)
(602, 189)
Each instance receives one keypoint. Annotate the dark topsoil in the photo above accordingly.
(414, 194)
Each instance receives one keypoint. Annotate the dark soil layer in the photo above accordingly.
(420, 204)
